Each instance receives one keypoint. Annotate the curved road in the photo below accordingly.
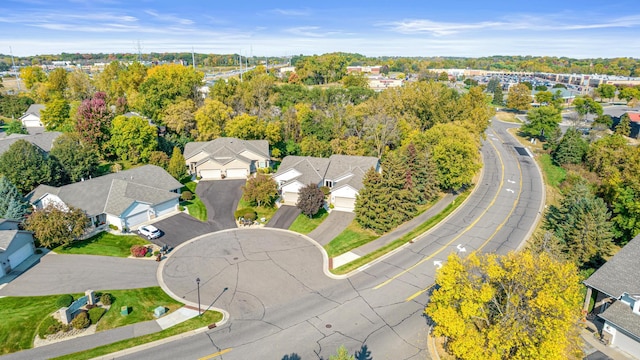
(281, 303)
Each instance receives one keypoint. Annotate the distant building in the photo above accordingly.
(375, 70)
(31, 117)
(380, 83)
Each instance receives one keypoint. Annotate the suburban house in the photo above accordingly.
(15, 245)
(125, 199)
(229, 158)
(614, 290)
(634, 116)
(342, 174)
(44, 140)
(31, 118)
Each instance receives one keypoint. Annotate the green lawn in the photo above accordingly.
(104, 243)
(207, 318)
(20, 319)
(346, 268)
(304, 225)
(141, 303)
(352, 237)
(554, 175)
(263, 212)
(195, 206)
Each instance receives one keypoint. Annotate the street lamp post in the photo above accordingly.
(198, 283)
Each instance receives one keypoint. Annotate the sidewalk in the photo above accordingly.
(395, 234)
(104, 337)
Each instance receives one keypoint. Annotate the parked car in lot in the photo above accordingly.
(150, 232)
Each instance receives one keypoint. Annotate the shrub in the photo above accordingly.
(81, 321)
(148, 253)
(250, 216)
(64, 301)
(106, 299)
(180, 208)
(49, 326)
(95, 314)
(138, 250)
(113, 227)
(325, 190)
(186, 195)
(243, 212)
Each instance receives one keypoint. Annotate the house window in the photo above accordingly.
(328, 183)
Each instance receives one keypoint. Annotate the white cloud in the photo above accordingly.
(291, 12)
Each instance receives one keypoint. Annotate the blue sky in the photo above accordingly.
(398, 28)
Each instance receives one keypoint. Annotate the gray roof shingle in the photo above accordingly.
(114, 193)
(620, 273)
(621, 315)
(33, 109)
(227, 145)
(42, 140)
(6, 237)
(312, 169)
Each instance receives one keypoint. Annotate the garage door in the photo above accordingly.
(210, 174)
(626, 343)
(290, 198)
(136, 219)
(32, 123)
(343, 203)
(237, 173)
(20, 255)
(166, 208)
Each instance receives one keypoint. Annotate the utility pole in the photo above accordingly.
(240, 62)
(139, 48)
(193, 57)
(13, 63)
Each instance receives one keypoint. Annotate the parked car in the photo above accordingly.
(149, 231)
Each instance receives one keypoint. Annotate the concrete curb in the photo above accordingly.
(418, 237)
(151, 344)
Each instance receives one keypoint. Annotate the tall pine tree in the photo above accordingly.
(422, 174)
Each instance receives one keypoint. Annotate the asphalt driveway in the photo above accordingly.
(332, 226)
(221, 198)
(284, 217)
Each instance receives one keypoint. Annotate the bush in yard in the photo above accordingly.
(64, 301)
(113, 227)
(250, 216)
(325, 190)
(186, 195)
(95, 314)
(310, 200)
(138, 250)
(244, 211)
(81, 321)
(106, 299)
(49, 326)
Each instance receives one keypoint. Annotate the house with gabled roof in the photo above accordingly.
(44, 141)
(31, 117)
(229, 158)
(614, 290)
(124, 199)
(15, 245)
(342, 174)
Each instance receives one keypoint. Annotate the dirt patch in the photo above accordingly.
(507, 116)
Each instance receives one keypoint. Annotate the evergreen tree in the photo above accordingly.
(571, 149)
(177, 165)
(422, 173)
(397, 197)
(11, 204)
(582, 224)
(498, 97)
(624, 126)
(369, 210)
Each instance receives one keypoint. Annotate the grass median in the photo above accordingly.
(207, 318)
(346, 268)
(195, 205)
(304, 224)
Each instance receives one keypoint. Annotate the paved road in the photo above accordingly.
(62, 274)
(284, 217)
(280, 303)
(332, 226)
(180, 228)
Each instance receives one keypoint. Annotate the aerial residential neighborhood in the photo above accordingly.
(329, 181)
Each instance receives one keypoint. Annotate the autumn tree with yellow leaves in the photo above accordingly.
(519, 306)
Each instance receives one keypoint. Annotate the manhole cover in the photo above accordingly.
(328, 326)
